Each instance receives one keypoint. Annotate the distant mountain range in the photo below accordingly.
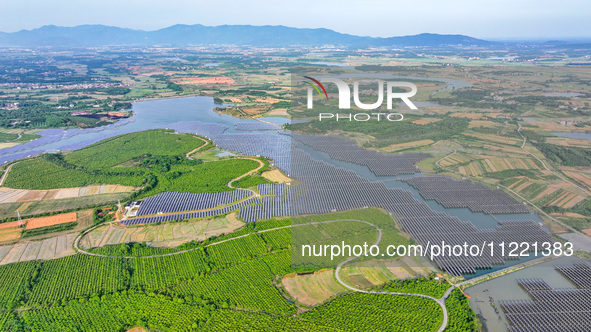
(244, 35)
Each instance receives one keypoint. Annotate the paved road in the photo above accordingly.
(5, 175)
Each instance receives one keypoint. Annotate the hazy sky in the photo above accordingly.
(506, 19)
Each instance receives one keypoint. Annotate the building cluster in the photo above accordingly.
(567, 122)
(9, 106)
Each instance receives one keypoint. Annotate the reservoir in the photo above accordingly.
(574, 135)
(180, 114)
(487, 293)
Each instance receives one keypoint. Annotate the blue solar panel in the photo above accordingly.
(169, 202)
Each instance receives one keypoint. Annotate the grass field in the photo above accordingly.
(10, 231)
(313, 288)
(565, 199)
(580, 177)
(50, 248)
(481, 123)
(47, 237)
(494, 138)
(14, 137)
(454, 159)
(250, 181)
(569, 142)
(116, 150)
(487, 164)
(426, 121)
(209, 153)
(48, 175)
(206, 177)
(497, 164)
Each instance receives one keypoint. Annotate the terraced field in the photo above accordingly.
(311, 289)
(8, 195)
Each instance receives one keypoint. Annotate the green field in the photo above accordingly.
(356, 231)
(152, 159)
(206, 177)
(249, 182)
(116, 150)
(228, 286)
(39, 173)
(14, 138)
(423, 285)
(385, 133)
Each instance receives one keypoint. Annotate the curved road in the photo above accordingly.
(454, 151)
(261, 164)
(253, 193)
(440, 301)
(188, 155)
(5, 175)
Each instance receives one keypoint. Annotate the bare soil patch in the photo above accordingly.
(51, 220)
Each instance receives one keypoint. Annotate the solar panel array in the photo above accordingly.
(274, 146)
(168, 202)
(453, 231)
(252, 126)
(274, 189)
(327, 188)
(277, 205)
(189, 215)
(209, 130)
(579, 274)
(454, 193)
(552, 309)
(29, 148)
(533, 284)
(268, 208)
(379, 163)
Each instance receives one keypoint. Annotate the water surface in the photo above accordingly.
(574, 135)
